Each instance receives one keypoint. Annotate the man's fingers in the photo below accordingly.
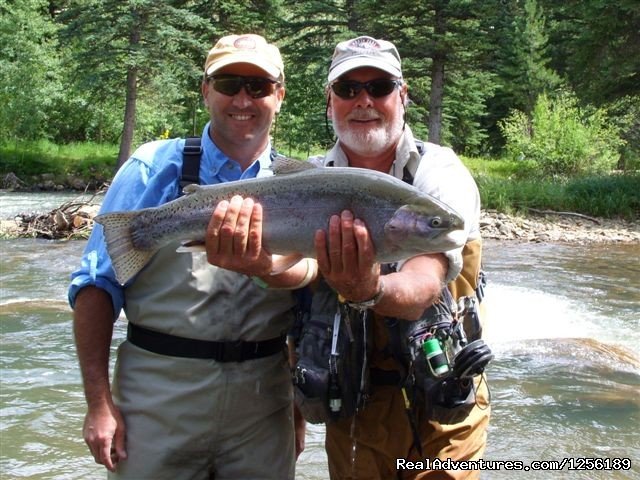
(349, 246)
(242, 226)
(213, 229)
(228, 227)
(322, 257)
(103, 455)
(366, 250)
(119, 444)
(254, 247)
(335, 244)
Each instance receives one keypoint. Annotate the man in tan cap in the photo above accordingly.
(201, 387)
(405, 411)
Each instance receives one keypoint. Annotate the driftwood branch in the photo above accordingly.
(566, 214)
(70, 220)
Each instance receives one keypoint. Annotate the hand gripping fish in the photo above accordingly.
(297, 200)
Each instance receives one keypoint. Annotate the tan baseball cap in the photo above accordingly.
(364, 52)
(249, 48)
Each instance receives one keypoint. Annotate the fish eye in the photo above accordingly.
(436, 222)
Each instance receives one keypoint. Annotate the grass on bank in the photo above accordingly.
(90, 161)
(503, 186)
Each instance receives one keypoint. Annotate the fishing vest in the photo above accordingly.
(341, 354)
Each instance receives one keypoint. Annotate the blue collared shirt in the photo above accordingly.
(148, 179)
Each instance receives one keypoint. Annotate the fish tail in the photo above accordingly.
(126, 259)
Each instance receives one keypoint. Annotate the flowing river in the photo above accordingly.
(565, 382)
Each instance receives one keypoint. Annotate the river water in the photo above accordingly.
(564, 326)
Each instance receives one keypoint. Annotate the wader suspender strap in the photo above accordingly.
(191, 162)
(407, 177)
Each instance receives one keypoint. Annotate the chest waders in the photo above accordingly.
(172, 345)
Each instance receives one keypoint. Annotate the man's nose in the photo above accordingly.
(242, 99)
(363, 99)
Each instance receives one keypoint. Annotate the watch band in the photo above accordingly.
(372, 302)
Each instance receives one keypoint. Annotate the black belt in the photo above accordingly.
(236, 351)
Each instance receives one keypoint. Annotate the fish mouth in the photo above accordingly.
(424, 231)
(456, 222)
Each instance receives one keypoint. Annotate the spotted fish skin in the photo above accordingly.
(298, 200)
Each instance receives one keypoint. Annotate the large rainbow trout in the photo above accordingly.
(298, 200)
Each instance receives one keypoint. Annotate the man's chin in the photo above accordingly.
(363, 144)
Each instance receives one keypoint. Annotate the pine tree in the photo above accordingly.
(520, 61)
(442, 43)
(122, 46)
(307, 34)
(596, 44)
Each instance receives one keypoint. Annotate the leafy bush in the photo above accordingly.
(560, 139)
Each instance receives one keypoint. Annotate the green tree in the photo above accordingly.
(307, 35)
(29, 69)
(120, 47)
(442, 44)
(559, 138)
(520, 60)
(596, 44)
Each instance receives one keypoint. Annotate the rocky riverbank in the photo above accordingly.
(557, 227)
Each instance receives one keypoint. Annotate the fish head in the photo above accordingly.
(424, 228)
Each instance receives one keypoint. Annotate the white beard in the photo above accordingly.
(374, 140)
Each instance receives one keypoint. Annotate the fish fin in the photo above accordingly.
(126, 260)
(192, 246)
(191, 188)
(286, 165)
(282, 263)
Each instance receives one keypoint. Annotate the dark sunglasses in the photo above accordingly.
(380, 87)
(256, 87)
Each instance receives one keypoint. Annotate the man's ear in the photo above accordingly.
(204, 88)
(404, 94)
(280, 94)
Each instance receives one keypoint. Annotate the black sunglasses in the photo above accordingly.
(256, 87)
(380, 87)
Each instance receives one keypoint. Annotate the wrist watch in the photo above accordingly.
(372, 302)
